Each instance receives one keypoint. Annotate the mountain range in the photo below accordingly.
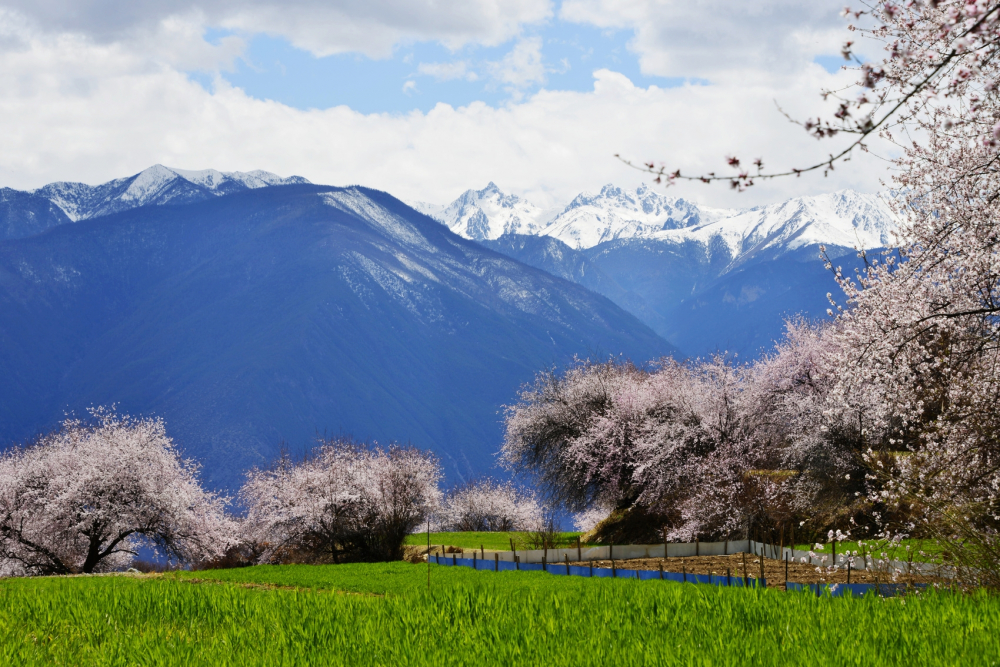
(706, 279)
(255, 312)
(25, 213)
(249, 316)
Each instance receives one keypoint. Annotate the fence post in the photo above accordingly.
(762, 566)
(661, 570)
(545, 555)
(725, 551)
(545, 566)
(848, 570)
(614, 572)
(453, 562)
(729, 579)
(517, 563)
(786, 572)
(579, 551)
(746, 579)
(567, 564)
(496, 561)
(474, 554)
(684, 570)
(591, 563)
(482, 549)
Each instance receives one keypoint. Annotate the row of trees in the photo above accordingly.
(87, 497)
(709, 449)
(888, 415)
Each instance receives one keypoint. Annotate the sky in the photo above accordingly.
(425, 98)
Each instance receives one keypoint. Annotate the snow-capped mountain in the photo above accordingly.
(488, 214)
(704, 278)
(156, 185)
(844, 219)
(615, 213)
(25, 213)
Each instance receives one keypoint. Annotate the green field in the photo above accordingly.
(501, 542)
(384, 614)
(492, 541)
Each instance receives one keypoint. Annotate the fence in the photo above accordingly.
(497, 565)
(834, 590)
(729, 547)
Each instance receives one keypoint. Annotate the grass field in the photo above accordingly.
(470, 541)
(384, 615)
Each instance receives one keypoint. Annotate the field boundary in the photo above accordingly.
(561, 569)
(726, 548)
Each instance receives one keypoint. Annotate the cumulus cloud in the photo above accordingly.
(522, 67)
(720, 40)
(323, 27)
(76, 110)
(88, 99)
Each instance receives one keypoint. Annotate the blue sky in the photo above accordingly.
(272, 68)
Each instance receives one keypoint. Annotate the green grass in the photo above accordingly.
(494, 541)
(468, 617)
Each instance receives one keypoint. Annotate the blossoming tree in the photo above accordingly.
(344, 501)
(487, 505)
(84, 498)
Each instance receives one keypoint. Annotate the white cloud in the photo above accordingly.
(410, 87)
(522, 67)
(76, 110)
(448, 71)
(323, 27)
(721, 40)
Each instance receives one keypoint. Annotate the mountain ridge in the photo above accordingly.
(677, 265)
(27, 212)
(274, 314)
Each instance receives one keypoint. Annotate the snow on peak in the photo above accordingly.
(213, 180)
(147, 183)
(846, 219)
(615, 213)
(155, 185)
(488, 214)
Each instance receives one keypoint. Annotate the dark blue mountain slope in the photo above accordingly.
(277, 313)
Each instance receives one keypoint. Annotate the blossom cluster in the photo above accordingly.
(487, 506)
